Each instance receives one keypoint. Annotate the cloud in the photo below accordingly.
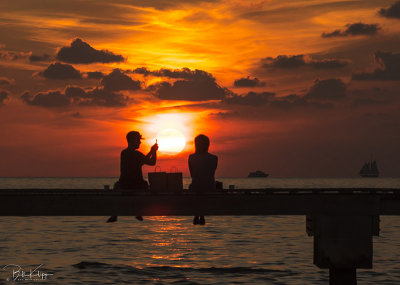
(355, 29)
(284, 61)
(81, 52)
(105, 95)
(184, 73)
(116, 81)
(61, 71)
(250, 99)
(190, 90)
(4, 81)
(50, 99)
(367, 102)
(224, 115)
(389, 68)
(77, 96)
(105, 98)
(12, 55)
(96, 97)
(328, 89)
(329, 63)
(296, 61)
(43, 57)
(3, 97)
(197, 85)
(76, 115)
(75, 93)
(248, 82)
(391, 12)
(294, 101)
(95, 74)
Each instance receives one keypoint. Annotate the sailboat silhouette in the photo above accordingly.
(369, 169)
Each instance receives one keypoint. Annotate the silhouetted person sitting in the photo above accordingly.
(202, 166)
(132, 161)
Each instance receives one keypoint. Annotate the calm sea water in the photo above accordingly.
(171, 250)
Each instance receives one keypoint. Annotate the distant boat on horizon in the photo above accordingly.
(257, 173)
(369, 169)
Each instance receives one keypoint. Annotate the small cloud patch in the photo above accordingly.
(355, 29)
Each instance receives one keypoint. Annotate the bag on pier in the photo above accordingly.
(174, 181)
(165, 182)
(157, 180)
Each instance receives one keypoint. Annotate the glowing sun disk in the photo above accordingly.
(171, 141)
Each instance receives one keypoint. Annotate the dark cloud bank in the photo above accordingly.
(389, 68)
(320, 95)
(105, 95)
(329, 89)
(188, 85)
(78, 96)
(192, 85)
(117, 81)
(295, 61)
(355, 29)
(95, 75)
(12, 55)
(391, 12)
(250, 99)
(61, 71)
(248, 82)
(81, 52)
(184, 73)
(44, 57)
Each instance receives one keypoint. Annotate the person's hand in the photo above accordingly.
(154, 148)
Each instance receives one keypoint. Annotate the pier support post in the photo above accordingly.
(339, 276)
(342, 244)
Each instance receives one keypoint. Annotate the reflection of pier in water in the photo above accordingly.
(342, 221)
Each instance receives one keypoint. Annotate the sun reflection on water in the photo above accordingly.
(170, 237)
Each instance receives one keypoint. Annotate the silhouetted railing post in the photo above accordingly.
(343, 243)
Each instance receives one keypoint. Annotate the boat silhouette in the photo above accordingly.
(369, 169)
(258, 173)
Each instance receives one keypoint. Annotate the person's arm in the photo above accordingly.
(190, 166)
(151, 157)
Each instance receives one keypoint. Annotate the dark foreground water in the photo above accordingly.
(171, 250)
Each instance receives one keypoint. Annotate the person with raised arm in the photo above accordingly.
(132, 160)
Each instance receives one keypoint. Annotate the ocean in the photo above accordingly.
(171, 250)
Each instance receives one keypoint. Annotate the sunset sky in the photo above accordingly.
(293, 88)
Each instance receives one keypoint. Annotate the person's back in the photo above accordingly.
(202, 168)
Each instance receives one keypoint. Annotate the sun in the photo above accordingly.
(170, 141)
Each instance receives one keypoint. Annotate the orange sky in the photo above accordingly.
(294, 88)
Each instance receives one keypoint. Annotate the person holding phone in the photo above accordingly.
(132, 160)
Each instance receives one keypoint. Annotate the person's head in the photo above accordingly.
(133, 139)
(201, 143)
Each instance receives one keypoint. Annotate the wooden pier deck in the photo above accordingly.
(96, 202)
(342, 221)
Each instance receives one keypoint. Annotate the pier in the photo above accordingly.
(341, 221)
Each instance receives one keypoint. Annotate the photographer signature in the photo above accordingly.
(20, 275)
